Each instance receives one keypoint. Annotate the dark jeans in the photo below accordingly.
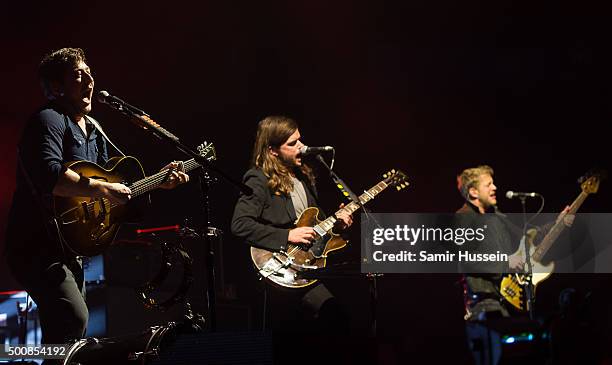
(483, 342)
(59, 293)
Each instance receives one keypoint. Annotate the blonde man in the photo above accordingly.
(481, 281)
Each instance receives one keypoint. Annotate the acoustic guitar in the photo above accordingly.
(89, 225)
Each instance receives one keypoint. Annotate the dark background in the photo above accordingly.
(427, 87)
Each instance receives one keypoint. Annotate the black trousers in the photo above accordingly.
(61, 303)
(313, 309)
(59, 293)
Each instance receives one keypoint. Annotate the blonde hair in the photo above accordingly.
(273, 131)
(469, 178)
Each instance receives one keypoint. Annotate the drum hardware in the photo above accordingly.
(131, 349)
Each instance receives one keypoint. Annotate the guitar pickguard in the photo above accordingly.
(318, 246)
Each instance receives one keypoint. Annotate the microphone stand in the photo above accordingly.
(209, 253)
(144, 121)
(346, 191)
(529, 286)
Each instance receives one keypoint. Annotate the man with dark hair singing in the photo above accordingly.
(283, 187)
(59, 132)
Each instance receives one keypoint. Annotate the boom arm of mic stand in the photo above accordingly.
(348, 190)
(145, 122)
(339, 181)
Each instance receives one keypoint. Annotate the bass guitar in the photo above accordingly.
(512, 285)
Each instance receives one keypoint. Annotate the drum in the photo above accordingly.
(169, 251)
(130, 350)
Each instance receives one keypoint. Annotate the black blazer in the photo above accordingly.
(264, 219)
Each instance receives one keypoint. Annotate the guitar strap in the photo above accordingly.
(99, 129)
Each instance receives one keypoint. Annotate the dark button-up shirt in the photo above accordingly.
(50, 139)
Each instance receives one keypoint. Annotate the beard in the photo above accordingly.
(488, 202)
(290, 163)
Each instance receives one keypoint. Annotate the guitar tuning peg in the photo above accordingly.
(398, 188)
(385, 176)
(393, 171)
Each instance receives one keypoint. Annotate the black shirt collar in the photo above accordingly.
(492, 209)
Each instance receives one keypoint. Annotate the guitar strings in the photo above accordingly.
(144, 185)
(350, 208)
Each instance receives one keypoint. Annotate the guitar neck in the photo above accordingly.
(154, 181)
(557, 229)
(352, 207)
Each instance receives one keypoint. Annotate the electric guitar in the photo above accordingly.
(282, 267)
(512, 286)
(89, 225)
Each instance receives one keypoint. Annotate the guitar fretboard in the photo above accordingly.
(556, 230)
(352, 207)
(154, 181)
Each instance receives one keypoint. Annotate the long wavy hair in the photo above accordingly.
(273, 131)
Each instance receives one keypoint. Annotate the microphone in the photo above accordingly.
(104, 97)
(513, 194)
(305, 150)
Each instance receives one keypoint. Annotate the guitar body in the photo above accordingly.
(281, 267)
(90, 225)
(512, 286)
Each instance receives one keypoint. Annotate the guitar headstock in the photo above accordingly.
(207, 150)
(589, 183)
(396, 178)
